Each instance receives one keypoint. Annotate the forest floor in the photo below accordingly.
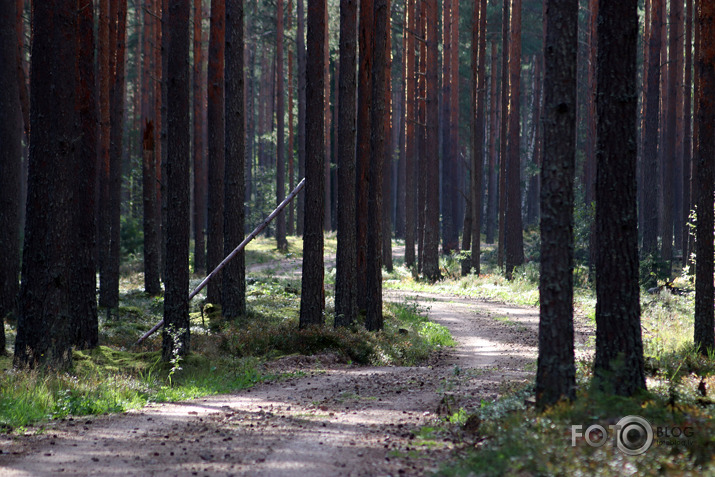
(330, 418)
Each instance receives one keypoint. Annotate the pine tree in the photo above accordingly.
(556, 371)
(618, 365)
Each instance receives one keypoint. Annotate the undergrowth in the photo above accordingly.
(226, 355)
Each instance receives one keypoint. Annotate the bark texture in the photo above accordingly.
(312, 301)
(705, 155)
(514, 240)
(234, 273)
(10, 168)
(44, 327)
(176, 337)
(619, 348)
(556, 371)
(216, 123)
(430, 266)
(345, 291)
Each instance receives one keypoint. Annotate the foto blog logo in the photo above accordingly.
(633, 435)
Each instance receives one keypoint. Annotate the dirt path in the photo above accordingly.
(337, 420)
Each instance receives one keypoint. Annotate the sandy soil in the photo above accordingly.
(336, 420)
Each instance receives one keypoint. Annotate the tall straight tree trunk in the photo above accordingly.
(198, 153)
(503, 132)
(430, 267)
(590, 164)
(705, 154)
(422, 135)
(514, 240)
(327, 224)
(312, 296)
(160, 66)
(291, 167)
(216, 147)
(83, 293)
(479, 71)
(687, 130)
(151, 218)
(455, 148)
(45, 331)
(650, 146)
(105, 70)
(670, 150)
(234, 274)
(378, 148)
(696, 133)
(345, 291)
(109, 282)
(10, 168)
(618, 366)
(398, 134)
(301, 53)
(556, 370)
(387, 157)
(492, 195)
(176, 337)
(410, 136)
(362, 165)
(447, 177)
(281, 241)
(676, 81)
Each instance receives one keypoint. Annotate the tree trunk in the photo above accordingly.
(696, 134)
(671, 151)
(430, 266)
(199, 160)
(312, 301)
(514, 239)
(387, 157)
(618, 365)
(160, 66)
(10, 168)
(216, 134)
(378, 147)
(83, 292)
(492, 195)
(447, 175)
(176, 337)
(363, 147)
(479, 71)
(45, 331)
(650, 146)
(281, 241)
(345, 291)
(234, 274)
(149, 162)
(109, 281)
(676, 81)
(410, 135)
(422, 136)
(705, 70)
(301, 53)
(455, 148)
(291, 168)
(687, 131)
(328, 220)
(105, 70)
(556, 370)
(503, 132)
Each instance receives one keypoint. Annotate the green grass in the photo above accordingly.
(226, 355)
(106, 380)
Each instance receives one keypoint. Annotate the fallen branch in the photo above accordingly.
(235, 252)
